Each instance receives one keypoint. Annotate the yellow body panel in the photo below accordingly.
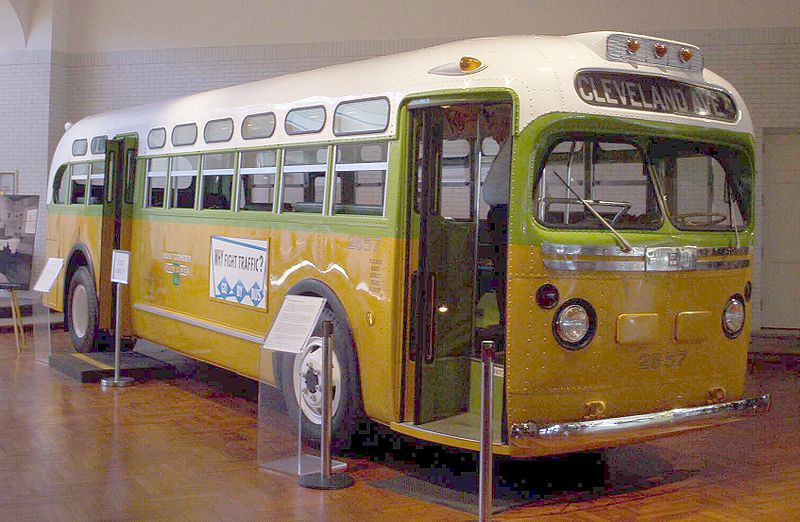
(64, 231)
(547, 383)
(347, 264)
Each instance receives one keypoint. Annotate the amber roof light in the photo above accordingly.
(468, 63)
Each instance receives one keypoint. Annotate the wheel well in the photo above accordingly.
(78, 257)
(316, 288)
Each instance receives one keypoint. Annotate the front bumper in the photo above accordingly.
(639, 427)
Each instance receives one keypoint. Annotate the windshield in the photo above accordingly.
(706, 187)
(611, 176)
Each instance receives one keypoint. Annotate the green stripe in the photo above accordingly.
(358, 225)
(80, 210)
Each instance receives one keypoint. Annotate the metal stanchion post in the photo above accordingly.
(486, 479)
(117, 380)
(326, 479)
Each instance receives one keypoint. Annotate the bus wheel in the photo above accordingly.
(82, 305)
(301, 380)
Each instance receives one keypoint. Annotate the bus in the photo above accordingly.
(583, 202)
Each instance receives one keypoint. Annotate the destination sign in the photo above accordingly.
(654, 94)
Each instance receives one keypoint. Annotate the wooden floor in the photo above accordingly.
(185, 449)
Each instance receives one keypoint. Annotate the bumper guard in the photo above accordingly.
(622, 426)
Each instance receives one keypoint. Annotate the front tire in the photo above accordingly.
(301, 379)
(83, 310)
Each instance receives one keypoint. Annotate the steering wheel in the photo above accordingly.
(622, 212)
(710, 218)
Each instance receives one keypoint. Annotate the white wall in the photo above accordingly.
(86, 56)
(159, 24)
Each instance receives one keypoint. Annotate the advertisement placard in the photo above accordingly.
(239, 271)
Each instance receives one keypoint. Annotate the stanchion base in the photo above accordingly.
(122, 381)
(317, 481)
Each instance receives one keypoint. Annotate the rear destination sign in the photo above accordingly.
(653, 94)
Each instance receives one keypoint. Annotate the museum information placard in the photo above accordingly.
(294, 323)
(120, 265)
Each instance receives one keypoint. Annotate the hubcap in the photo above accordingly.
(307, 377)
(80, 311)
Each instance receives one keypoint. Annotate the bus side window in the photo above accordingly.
(61, 184)
(257, 169)
(155, 183)
(304, 179)
(96, 179)
(360, 178)
(183, 180)
(218, 180)
(80, 178)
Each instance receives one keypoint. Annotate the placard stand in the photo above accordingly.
(120, 263)
(326, 479)
(280, 439)
(42, 337)
(40, 310)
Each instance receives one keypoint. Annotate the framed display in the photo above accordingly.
(18, 216)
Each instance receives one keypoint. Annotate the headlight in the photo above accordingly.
(733, 316)
(574, 324)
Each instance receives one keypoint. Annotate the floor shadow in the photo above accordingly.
(449, 476)
(453, 477)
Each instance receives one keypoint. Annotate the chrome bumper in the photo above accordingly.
(636, 424)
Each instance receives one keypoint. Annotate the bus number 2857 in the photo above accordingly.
(656, 360)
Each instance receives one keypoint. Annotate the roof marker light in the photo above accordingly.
(633, 45)
(469, 64)
(660, 49)
(686, 55)
(464, 66)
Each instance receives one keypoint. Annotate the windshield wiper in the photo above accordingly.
(626, 247)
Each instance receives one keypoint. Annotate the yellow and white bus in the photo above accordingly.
(585, 202)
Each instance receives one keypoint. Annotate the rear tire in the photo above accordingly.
(83, 310)
(301, 376)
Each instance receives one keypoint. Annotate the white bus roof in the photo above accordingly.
(541, 70)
